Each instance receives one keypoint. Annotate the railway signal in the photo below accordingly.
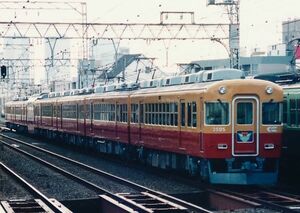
(3, 71)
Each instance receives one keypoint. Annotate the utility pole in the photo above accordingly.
(232, 7)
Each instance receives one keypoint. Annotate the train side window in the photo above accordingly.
(172, 109)
(58, 111)
(244, 113)
(271, 113)
(192, 114)
(175, 114)
(96, 111)
(80, 111)
(36, 111)
(168, 114)
(91, 115)
(182, 109)
(160, 114)
(123, 112)
(216, 113)
(54, 111)
(146, 114)
(134, 117)
(141, 113)
(189, 114)
(86, 111)
(118, 113)
(47, 110)
(113, 112)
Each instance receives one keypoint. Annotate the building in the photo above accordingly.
(277, 59)
(250, 65)
(290, 34)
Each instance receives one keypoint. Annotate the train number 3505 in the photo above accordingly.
(218, 129)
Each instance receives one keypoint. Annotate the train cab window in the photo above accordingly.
(244, 113)
(271, 113)
(217, 113)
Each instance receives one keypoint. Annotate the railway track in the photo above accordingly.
(76, 170)
(268, 198)
(40, 203)
(223, 198)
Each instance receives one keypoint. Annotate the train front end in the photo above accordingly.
(242, 131)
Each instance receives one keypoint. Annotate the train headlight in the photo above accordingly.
(222, 90)
(269, 90)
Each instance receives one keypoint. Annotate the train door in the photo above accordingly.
(37, 115)
(245, 126)
(91, 117)
(56, 106)
(201, 123)
(118, 119)
(77, 117)
(60, 115)
(141, 119)
(85, 115)
(182, 120)
(26, 116)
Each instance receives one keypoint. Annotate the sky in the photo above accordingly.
(260, 24)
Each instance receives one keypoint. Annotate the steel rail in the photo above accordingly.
(185, 204)
(36, 193)
(261, 200)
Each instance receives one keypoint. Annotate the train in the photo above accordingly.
(291, 119)
(224, 132)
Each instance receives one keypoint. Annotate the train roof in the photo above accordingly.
(205, 87)
(187, 88)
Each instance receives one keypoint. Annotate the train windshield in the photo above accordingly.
(217, 113)
(271, 113)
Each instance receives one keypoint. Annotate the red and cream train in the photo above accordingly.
(226, 132)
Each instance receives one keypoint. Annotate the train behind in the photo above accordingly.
(225, 132)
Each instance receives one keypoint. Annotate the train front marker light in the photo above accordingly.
(269, 90)
(222, 90)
